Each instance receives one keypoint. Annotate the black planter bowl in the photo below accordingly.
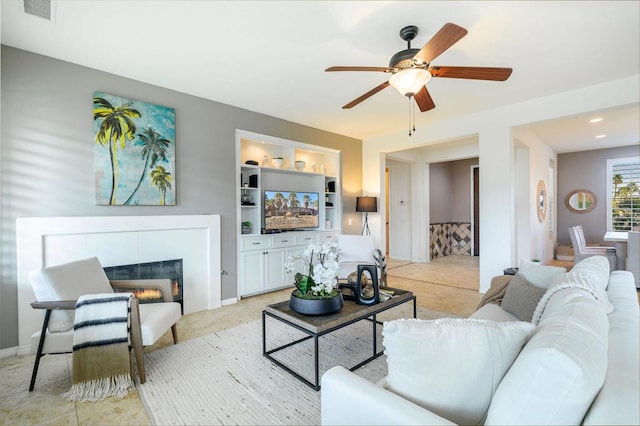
(316, 306)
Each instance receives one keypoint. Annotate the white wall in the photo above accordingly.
(524, 202)
(541, 244)
(495, 143)
(400, 210)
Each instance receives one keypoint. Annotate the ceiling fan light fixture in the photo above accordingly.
(409, 81)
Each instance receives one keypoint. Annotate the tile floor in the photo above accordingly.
(436, 286)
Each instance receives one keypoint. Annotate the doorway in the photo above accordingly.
(386, 209)
(475, 221)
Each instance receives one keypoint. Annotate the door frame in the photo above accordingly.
(472, 195)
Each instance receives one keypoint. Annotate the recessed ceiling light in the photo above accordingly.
(596, 120)
(600, 136)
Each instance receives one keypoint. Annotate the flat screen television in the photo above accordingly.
(290, 210)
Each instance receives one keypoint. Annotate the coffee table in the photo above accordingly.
(316, 326)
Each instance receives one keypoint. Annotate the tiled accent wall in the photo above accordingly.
(449, 238)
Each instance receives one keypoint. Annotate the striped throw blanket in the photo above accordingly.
(101, 366)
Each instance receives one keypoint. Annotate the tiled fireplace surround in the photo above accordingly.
(449, 238)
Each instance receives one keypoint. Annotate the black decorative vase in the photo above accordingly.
(316, 306)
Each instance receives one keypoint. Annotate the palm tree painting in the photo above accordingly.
(134, 152)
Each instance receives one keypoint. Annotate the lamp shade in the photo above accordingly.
(409, 81)
(367, 204)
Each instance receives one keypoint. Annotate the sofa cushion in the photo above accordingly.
(586, 281)
(539, 275)
(493, 312)
(521, 298)
(451, 366)
(68, 281)
(156, 319)
(561, 369)
(596, 265)
(618, 402)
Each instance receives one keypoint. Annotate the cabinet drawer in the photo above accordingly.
(305, 239)
(283, 241)
(326, 237)
(258, 243)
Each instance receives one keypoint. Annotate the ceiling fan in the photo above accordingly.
(411, 68)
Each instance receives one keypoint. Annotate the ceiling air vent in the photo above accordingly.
(39, 8)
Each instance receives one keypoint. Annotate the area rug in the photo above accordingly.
(223, 379)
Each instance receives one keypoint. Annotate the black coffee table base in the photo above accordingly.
(316, 327)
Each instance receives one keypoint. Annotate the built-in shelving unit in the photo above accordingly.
(261, 256)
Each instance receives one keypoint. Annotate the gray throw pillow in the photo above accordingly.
(521, 298)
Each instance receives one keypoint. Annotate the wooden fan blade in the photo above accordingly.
(341, 68)
(423, 99)
(474, 73)
(448, 35)
(370, 93)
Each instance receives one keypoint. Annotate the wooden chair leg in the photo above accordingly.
(39, 355)
(136, 339)
(174, 331)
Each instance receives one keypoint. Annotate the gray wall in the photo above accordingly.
(450, 191)
(461, 194)
(586, 170)
(47, 156)
(439, 192)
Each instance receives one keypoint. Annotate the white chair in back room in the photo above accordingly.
(582, 251)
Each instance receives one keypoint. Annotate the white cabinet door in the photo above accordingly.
(252, 266)
(274, 268)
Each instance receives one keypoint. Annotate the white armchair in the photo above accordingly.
(360, 250)
(57, 288)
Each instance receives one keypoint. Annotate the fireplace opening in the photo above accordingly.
(171, 269)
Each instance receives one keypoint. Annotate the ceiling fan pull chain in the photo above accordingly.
(413, 114)
(409, 116)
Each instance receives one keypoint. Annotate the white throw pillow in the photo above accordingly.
(451, 366)
(539, 275)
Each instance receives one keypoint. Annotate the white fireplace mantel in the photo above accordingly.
(119, 240)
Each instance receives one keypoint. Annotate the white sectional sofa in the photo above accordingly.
(579, 362)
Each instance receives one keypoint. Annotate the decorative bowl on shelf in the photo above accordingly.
(300, 165)
(277, 162)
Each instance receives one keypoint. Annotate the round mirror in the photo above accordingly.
(541, 200)
(580, 201)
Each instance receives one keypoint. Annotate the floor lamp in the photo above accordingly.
(366, 205)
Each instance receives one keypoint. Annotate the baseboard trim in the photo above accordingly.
(5, 353)
(229, 301)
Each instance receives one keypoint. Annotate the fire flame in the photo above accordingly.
(148, 294)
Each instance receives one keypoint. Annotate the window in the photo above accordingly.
(623, 194)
